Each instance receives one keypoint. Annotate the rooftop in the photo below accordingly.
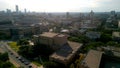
(51, 34)
(119, 24)
(93, 59)
(66, 52)
(116, 34)
(48, 34)
(61, 35)
(91, 33)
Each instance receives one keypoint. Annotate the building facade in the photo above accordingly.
(54, 40)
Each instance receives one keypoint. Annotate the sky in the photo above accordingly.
(61, 5)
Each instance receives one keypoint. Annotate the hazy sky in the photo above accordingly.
(61, 5)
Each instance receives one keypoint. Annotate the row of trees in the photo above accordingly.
(31, 52)
(4, 36)
(51, 64)
(80, 39)
(37, 50)
(105, 37)
(4, 61)
(104, 40)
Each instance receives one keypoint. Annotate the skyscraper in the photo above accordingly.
(17, 8)
(25, 10)
(113, 13)
(67, 14)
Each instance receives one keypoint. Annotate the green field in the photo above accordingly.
(14, 46)
(36, 63)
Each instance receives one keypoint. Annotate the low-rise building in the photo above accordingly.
(66, 53)
(92, 60)
(119, 24)
(88, 24)
(65, 50)
(112, 22)
(54, 40)
(116, 36)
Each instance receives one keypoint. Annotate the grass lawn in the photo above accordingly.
(37, 63)
(14, 46)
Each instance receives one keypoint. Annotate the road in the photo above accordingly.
(12, 55)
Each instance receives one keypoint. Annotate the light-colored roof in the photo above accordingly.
(116, 34)
(65, 30)
(48, 34)
(61, 35)
(66, 52)
(93, 59)
(119, 24)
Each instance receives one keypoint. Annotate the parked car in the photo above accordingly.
(11, 53)
(26, 63)
(19, 58)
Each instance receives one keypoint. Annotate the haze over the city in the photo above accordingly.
(61, 5)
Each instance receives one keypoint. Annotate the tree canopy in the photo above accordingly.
(4, 61)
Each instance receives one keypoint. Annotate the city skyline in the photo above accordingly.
(61, 5)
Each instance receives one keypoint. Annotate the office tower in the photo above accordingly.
(25, 10)
(113, 13)
(67, 14)
(8, 10)
(17, 8)
(91, 14)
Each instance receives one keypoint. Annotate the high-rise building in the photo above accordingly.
(25, 10)
(67, 14)
(17, 8)
(8, 10)
(91, 14)
(113, 13)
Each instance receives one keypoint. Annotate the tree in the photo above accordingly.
(4, 57)
(84, 39)
(26, 51)
(72, 66)
(105, 38)
(92, 45)
(75, 39)
(4, 63)
(107, 31)
(4, 36)
(80, 39)
(111, 43)
(7, 65)
(50, 65)
(41, 49)
(22, 42)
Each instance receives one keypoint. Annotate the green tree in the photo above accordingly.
(105, 38)
(41, 49)
(72, 66)
(92, 45)
(75, 39)
(23, 42)
(7, 65)
(4, 61)
(26, 51)
(80, 39)
(111, 43)
(4, 56)
(50, 65)
(84, 39)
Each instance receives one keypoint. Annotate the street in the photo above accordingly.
(14, 57)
